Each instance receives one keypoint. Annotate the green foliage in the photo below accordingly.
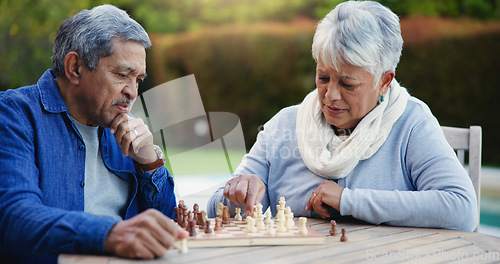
(458, 78)
(254, 71)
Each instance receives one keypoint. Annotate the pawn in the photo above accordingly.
(196, 211)
(218, 224)
(238, 217)
(226, 218)
(207, 228)
(268, 217)
(289, 223)
(270, 227)
(202, 218)
(281, 228)
(343, 238)
(192, 228)
(333, 228)
(250, 227)
(183, 246)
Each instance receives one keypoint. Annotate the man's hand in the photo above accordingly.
(245, 189)
(327, 194)
(134, 138)
(147, 235)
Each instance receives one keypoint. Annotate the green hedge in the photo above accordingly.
(254, 71)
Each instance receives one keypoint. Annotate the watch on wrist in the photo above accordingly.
(156, 164)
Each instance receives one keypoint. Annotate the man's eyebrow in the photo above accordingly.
(130, 69)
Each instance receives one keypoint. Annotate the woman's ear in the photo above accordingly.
(385, 81)
(72, 67)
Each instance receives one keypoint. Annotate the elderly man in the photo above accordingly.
(73, 162)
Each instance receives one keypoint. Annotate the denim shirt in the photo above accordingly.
(42, 167)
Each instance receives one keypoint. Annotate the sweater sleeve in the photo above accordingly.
(443, 195)
(255, 162)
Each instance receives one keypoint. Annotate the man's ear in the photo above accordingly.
(72, 67)
(385, 81)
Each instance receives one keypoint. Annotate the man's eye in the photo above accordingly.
(324, 79)
(121, 75)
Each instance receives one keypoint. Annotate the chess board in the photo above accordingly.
(234, 234)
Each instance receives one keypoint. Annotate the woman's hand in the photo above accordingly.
(327, 194)
(245, 189)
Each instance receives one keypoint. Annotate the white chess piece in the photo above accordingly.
(268, 217)
(183, 246)
(289, 224)
(270, 227)
(281, 226)
(282, 203)
(302, 226)
(250, 227)
(238, 217)
(280, 215)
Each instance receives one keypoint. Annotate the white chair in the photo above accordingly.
(468, 139)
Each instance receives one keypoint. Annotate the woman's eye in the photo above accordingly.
(323, 79)
(347, 86)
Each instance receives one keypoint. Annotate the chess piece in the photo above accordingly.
(184, 222)
(220, 208)
(192, 227)
(207, 228)
(282, 203)
(302, 226)
(268, 217)
(270, 227)
(183, 246)
(218, 224)
(250, 227)
(333, 228)
(281, 225)
(196, 211)
(202, 218)
(238, 217)
(343, 238)
(176, 216)
(226, 218)
(280, 215)
(289, 223)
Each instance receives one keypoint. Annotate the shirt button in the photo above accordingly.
(82, 184)
(82, 147)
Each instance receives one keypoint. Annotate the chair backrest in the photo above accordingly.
(468, 139)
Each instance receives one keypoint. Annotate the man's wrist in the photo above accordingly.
(155, 164)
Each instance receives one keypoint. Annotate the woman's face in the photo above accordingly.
(347, 95)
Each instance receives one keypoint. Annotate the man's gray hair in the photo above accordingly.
(365, 34)
(90, 32)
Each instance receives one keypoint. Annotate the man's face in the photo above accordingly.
(112, 88)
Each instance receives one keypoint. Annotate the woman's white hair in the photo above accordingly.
(365, 34)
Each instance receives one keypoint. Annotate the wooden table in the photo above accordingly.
(366, 243)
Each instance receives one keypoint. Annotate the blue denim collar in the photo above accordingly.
(49, 93)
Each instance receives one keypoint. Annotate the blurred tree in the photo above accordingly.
(27, 31)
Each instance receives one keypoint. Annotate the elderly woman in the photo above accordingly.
(359, 145)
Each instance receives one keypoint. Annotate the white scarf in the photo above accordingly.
(329, 156)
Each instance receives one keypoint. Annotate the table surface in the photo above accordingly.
(366, 243)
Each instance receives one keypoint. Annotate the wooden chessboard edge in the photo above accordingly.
(257, 241)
